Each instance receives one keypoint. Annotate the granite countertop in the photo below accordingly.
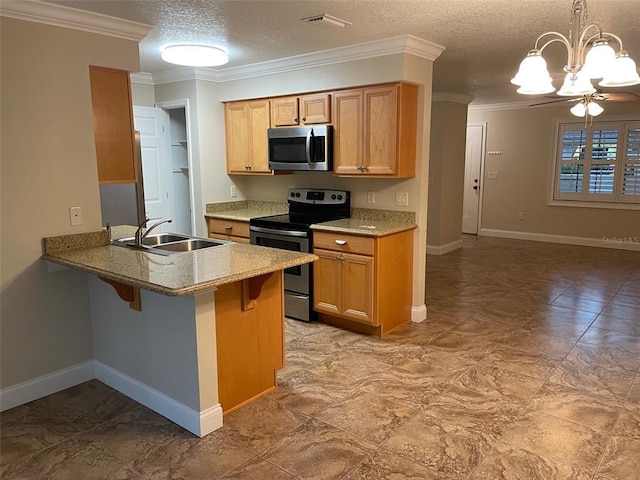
(245, 210)
(365, 227)
(179, 274)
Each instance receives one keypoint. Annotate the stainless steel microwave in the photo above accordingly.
(301, 148)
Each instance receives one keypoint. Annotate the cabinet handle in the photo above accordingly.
(341, 242)
(228, 227)
(304, 119)
(295, 119)
(339, 257)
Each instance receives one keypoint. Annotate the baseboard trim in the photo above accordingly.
(419, 314)
(632, 243)
(198, 423)
(442, 249)
(39, 387)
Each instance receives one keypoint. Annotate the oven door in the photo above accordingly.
(296, 279)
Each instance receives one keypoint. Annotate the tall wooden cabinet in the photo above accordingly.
(362, 282)
(246, 125)
(375, 131)
(113, 125)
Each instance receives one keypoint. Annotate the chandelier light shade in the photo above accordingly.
(590, 55)
(586, 106)
(191, 55)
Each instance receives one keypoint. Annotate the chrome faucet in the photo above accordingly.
(139, 237)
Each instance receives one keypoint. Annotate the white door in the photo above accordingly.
(152, 124)
(472, 179)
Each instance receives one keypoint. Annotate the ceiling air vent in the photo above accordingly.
(327, 21)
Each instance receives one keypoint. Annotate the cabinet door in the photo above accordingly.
(327, 282)
(113, 125)
(237, 136)
(259, 120)
(284, 112)
(380, 128)
(315, 109)
(358, 288)
(347, 135)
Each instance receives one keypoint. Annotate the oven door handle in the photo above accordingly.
(284, 233)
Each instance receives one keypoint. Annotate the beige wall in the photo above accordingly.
(525, 137)
(143, 94)
(446, 172)
(48, 165)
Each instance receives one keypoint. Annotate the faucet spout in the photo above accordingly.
(139, 237)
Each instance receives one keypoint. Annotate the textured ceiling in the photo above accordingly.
(484, 39)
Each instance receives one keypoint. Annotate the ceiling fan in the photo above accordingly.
(586, 105)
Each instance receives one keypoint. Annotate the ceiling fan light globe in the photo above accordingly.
(576, 85)
(622, 74)
(579, 110)
(594, 109)
(599, 59)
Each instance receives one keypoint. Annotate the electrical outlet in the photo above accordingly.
(371, 197)
(492, 175)
(402, 199)
(75, 215)
(233, 191)
(520, 215)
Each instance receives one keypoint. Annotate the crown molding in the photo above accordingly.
(388, 46)
(67, 17)
(142, 78)
(452, 97)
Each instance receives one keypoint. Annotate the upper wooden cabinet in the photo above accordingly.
(375, 131)
(246, 125)
(301, 110)
(113, 125)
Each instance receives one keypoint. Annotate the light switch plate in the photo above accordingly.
(402, 199)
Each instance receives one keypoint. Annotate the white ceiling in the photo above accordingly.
(484, 39)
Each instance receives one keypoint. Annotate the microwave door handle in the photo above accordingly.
(309, 147)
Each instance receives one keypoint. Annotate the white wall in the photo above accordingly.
(526, 138)
(48, 165)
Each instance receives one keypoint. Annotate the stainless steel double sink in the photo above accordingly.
(170, 243)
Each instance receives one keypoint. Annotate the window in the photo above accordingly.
(598, 162)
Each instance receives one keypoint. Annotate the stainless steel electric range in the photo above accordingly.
(292, 231)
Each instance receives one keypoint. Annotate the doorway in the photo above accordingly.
(166, 164)
(474, 160)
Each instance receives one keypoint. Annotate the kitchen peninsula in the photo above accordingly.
(208, 335)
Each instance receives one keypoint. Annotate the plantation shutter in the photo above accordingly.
(630, 188)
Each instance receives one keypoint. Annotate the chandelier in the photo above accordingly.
(590, 56)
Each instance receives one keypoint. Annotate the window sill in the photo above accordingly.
(584, 204)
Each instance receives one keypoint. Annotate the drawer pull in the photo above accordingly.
(228, 227)
(341, 242)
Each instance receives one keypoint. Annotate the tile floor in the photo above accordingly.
(527, 368)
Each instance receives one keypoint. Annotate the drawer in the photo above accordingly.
(343, 243)
(229, 228)
(231, 238)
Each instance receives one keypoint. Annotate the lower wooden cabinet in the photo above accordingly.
(364, 282)
(234, 230)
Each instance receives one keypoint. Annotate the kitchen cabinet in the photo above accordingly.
(234, 230)
(363, 283)
(246, 125)
(375, 131)
(301, 110)
(113, 125)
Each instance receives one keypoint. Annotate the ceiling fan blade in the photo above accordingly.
(555, 101)
(622, 97)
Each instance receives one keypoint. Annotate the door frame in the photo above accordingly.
(483, 156)
(184, 103)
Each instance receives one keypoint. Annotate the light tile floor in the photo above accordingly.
(527, 368)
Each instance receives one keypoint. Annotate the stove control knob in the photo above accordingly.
(333, 197)
(298, 194)
(339, 197)
(293, 194)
